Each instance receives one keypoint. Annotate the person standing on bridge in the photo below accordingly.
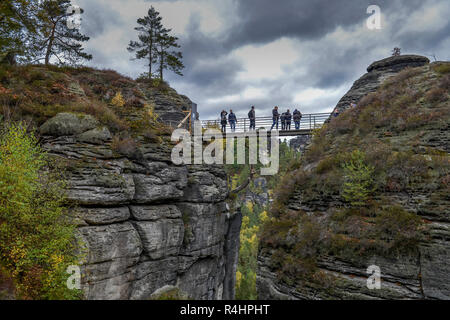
(223, 120)
(297, 119)
(252, 117)
(288, 119)
(275, 118)
(283, 121)
(233, 120)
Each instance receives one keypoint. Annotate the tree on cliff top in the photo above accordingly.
(16, 23)
(149, 30)
(154, 45)
(57, 37)
(169, 59)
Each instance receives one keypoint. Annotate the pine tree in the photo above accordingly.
(149, 29)
(16, 23)
(169, 59)
(358, 175)
(55, 38)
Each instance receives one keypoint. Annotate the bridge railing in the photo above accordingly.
(308, 122)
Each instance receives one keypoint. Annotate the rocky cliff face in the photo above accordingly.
(300, 143)
(319, 246)
(146, 223)
(377, 73)
(260, 194)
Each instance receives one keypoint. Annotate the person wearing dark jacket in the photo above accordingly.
(283, 121)
(252, 117)
(232, 120)
(288, 120)
(275, 117)
(297, 119)
(223, 120)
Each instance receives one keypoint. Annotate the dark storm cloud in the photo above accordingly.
(263, 21)
(98, 17)
(425, 42)
(207, 65)
(213, 70)
(197, 45)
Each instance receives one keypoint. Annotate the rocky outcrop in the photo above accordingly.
(418, 271)
(378, 72)
(145, 224)
(258, 194)
(171, 106)
(300, 143)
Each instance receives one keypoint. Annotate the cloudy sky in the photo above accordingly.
(291, 53)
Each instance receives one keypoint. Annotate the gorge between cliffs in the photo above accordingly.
(148, 228)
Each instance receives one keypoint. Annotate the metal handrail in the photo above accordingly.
(308, 122)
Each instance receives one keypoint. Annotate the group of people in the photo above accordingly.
(286, 119)
(231, 118)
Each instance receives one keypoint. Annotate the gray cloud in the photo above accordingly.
(98, 17)
(334, 48)
(262, 21)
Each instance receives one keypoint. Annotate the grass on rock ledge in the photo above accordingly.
(349, 181)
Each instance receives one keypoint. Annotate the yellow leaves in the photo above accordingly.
(56, 260)
(238, 279)
(248, 237)
(264, 217)
(153, 116)
(245, 223)
(118, 100)
(253, 240)
(36, 244)
(249, 205)
(234, 182)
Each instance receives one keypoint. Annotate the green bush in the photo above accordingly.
(248, 253)
(401, 229)
(37, 241)
(358, 179)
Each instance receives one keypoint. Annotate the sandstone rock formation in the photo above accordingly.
(300, 143)
(413, 139)
(260, 196)
(146, 224)
(378, 72)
